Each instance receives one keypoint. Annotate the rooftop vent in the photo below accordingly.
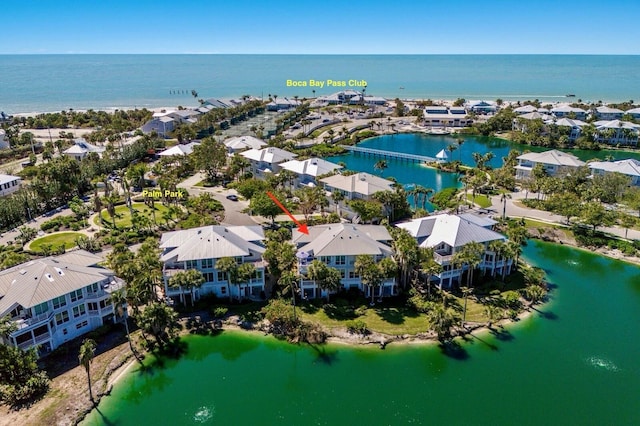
(49, 277)
(59, 271)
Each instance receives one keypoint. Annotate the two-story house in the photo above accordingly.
(359, 186)
(307, 171)
(607, 113)
(555, 163)
(568, 111)
(629, 167)
(56, 299)
(446, 234)
(267, 160)
(241, 143)
(338, 245)
(81, 149)
(200, 249)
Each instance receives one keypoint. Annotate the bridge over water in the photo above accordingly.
(390, 154)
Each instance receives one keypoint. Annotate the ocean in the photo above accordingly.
(44, 83)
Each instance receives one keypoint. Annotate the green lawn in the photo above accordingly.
(381, 319)
(482, 200)
(123, 215)
(68, 239)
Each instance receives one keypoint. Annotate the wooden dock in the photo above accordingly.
(390, 154)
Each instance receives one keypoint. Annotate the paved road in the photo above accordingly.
(233, 209)
(514, 210)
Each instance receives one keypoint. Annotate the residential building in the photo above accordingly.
(359, 186)
(307, 171)
(567, 111)
(446, 234)
(521, 122)
(629, 167)
(267, 160)
(616, 132)
(81, 149)
(9, 184)
(241, 143)
(442, 116)
(607, 113)
(575, 127)
(338, 245)
(201, 248)
(525, 109)
(4, 142)
(180, 149)
(634, 113)
(56, 299)
(555, 163)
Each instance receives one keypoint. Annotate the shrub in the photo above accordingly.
(357, 327)
(219, 311)
(362, 310)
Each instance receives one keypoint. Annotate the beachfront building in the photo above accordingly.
(359, 186)
(342, 97)
(242, 143)
(447, 234)
(606, 113)
(338, 245)
(200, 249)
(56, 299)
(616, 132)
(307, 171)
(282, 104)
(179, 150)
(442, 116)
(9, 184)
(81, 149)
(568, 111)
(266, 160)
(555, 163)
(481, 107)
(629, 167)
(4, 142)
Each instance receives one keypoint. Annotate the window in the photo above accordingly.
(105, 303)
(93, 306)
(41, 308)
(208, 277)
(64, 331)
(59, 302)
(257, 275)
(341, 260)
(222, 276)
(79, 310)
(223, 290)
(207, 263)
(93, 288)
(325, 259)
(62, 317)
(239, 260)
(353, 274)
(191, 264)
(76, 295)
(82, 324)
(343, 273)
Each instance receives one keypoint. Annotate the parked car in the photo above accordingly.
(232, 197)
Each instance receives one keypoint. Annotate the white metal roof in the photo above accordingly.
(360, 183)
(553, 157)
(311, 166)
(344, 240)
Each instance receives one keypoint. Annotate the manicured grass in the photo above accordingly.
(482, 200)
(123, 215)
(68, 239)
(379, 318)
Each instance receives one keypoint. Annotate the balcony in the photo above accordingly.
(24, 322)
(442, 257)
(33, 342)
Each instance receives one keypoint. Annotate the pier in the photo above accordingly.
(390, 154)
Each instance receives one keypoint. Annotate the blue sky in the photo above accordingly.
(322, 26)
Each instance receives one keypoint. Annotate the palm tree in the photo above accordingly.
(229, 267)
(326, 277)
(380, 165)
(370, 274)
(470, 254)
(337, 197)
(119, 301)
(85, 356)
(189, 280)
(442, 318)
(466, 291)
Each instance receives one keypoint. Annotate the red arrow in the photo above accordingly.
(302, 227)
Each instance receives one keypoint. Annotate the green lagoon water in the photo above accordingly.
(575, 363)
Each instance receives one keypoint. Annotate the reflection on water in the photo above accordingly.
(203, 414)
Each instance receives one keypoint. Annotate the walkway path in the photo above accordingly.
(515, 210)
